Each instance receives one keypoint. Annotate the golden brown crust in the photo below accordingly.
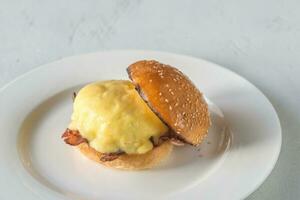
(173, 97)
(130, 162)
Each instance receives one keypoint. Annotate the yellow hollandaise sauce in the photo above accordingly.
(113, 117)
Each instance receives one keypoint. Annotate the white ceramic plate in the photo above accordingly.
(240, 152)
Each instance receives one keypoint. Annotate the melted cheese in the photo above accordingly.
(113, 117)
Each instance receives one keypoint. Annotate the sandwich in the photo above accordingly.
(134, 125)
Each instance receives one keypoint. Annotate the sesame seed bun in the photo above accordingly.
(173, 97)
(130, 162)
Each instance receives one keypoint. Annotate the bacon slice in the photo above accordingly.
(110, 156)
(174, 138)
(177, 142)
(73, 138)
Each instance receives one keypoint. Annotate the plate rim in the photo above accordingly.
(134, 51)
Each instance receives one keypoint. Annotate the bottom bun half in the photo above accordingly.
(131, 162)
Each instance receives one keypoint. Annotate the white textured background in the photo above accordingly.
(258, 39)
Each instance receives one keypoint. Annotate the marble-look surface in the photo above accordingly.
(260, 40)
